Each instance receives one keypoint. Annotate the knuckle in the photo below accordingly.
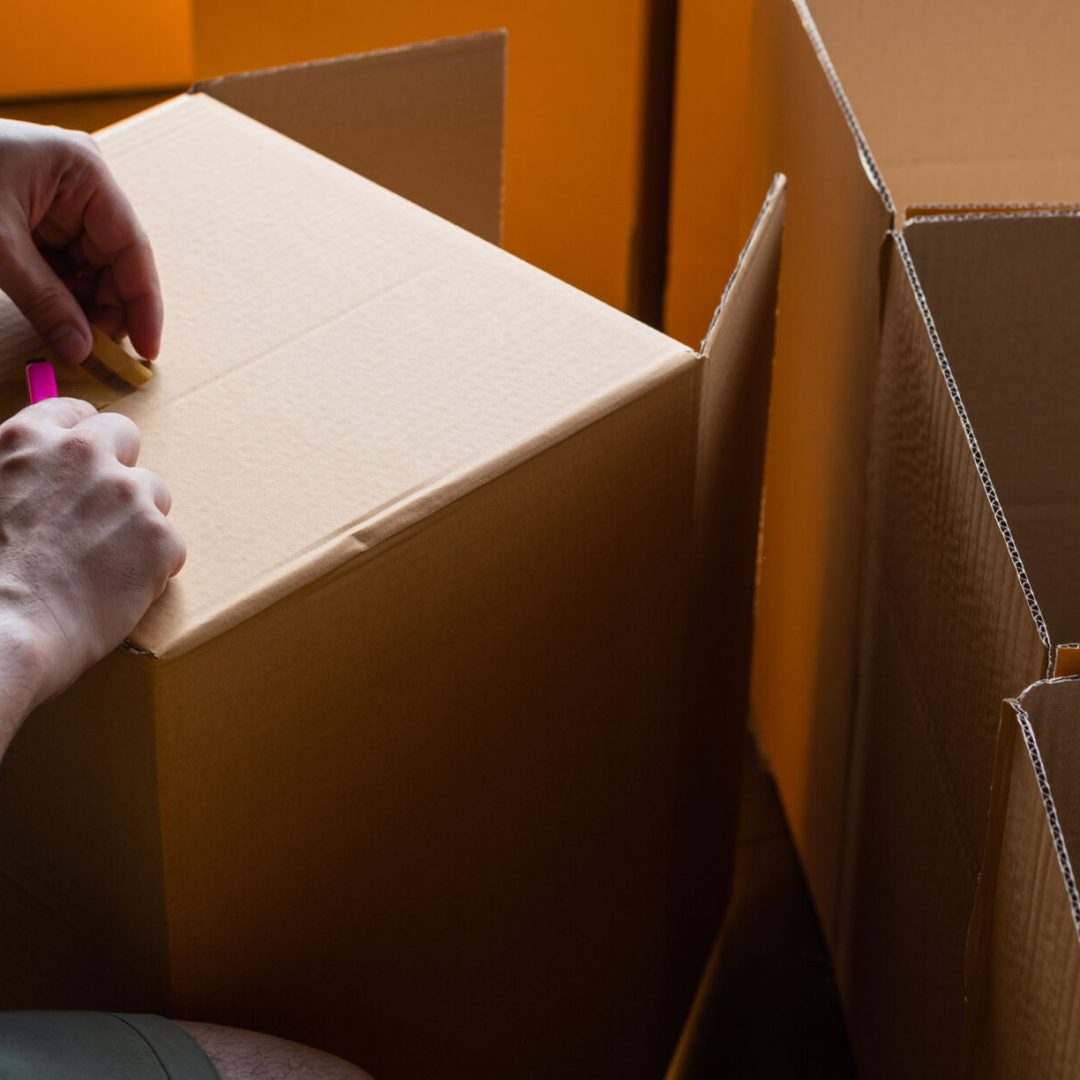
(79, 447)
(124, 489)
(16, 434)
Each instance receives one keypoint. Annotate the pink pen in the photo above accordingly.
(40, 381)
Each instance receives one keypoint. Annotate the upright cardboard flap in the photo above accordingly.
(1002, 288)
(963, 101)
(1024, 953)
(730, 459)
(826, 350)
(425, 121)
(947, 633)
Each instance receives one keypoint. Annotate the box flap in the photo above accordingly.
(1023, 1019)
(948, 628)
(337, 362)
(826, 349)
(960, 101)
(1001, 290)
(425, 120)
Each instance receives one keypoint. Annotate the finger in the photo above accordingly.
(117, 433)
(113, 229)
(155, 487)
(41, 296)
(63, 412)
(175, 548)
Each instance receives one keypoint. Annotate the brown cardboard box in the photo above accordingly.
(868, 113)
(967, 597)
(1024, 1004)
(425, 758)
(878, 707)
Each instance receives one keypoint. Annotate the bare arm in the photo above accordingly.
(248, 1055)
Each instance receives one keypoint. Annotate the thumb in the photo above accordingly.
(43, 298)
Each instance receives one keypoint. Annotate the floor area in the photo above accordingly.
(771, 1009)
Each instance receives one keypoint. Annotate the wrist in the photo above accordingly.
(22, 673)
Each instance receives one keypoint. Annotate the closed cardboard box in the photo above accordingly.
(427, 758)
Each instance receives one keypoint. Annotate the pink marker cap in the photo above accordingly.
(40, 381)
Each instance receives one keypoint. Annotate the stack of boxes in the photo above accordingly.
(429, 756)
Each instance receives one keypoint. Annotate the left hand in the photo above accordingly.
(71, 248)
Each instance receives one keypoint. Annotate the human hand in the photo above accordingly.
(70, 244)
(85, 547)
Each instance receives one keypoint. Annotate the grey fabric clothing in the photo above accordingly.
(98, 1046)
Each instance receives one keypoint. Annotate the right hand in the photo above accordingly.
(85, 544)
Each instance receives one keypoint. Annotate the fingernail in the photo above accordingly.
(69, 344)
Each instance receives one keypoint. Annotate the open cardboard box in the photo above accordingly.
(1024, 956)
(881, 656)
(428, 757)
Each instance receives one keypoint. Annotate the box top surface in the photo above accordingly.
(337, 363)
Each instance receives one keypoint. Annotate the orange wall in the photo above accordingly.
(69, 47)
(711, 214)
(574, 105)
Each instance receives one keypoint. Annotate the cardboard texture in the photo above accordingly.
(580, 93)
(872, 113)
(423, 757)
(1024, 974)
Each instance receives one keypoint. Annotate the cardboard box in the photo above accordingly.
(876, 120)
(1024, 978)
(587, 124)
(578, 141)
(861, 149)
(967, 599)
(428, 756)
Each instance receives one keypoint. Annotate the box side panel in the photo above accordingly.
(442, 781)
(94, 48)
(1002, 290)
(81, 902)
(709, 155)
(734, 402)
(946, 634)
(826, 348)
(575, 96)
(962, 102)
(1024, 1017)
(425, 121)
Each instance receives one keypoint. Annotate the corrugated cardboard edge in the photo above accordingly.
(364, 534)
(1035, 756)
(964, 211)
(972, 441)
(748, 253)
(1015, 723)
(866, 155)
